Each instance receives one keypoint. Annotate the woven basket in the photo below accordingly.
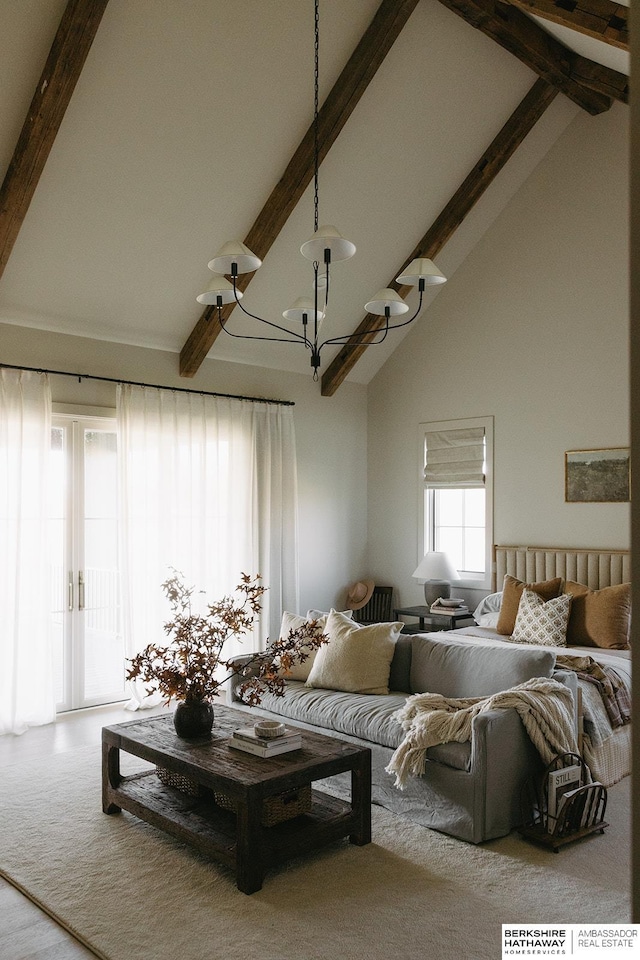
(284, 806)
(176, 780)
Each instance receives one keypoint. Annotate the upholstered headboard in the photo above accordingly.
(596, 568)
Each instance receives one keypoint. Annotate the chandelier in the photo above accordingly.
(325, 247)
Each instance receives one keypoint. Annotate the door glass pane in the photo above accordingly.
(103, 644)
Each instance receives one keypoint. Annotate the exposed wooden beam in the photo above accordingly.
(68, 53)
(376, 42)
(490, 163)
(601, 19)
(518, 34)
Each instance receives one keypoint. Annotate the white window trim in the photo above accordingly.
(436, 425)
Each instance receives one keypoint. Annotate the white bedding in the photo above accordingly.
(606, 750)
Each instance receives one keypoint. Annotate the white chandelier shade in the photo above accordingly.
(421, 269)
(387, 300)
(219, 292)
(303, 307)
(327, 240)
(234, 252)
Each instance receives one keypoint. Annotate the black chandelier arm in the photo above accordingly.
(361, 337)
(246, 336)
(254, 316)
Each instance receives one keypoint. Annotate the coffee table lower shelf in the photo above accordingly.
(212, 830)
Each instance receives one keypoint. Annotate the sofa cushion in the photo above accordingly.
(367, 716)
(364, 716)
(511, 593)
(599, 618)
(356, 659)
(442, 664)
(542, 622)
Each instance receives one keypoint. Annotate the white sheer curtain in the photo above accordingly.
(27, 696)
(208, 487)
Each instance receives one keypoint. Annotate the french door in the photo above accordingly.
(88, 646)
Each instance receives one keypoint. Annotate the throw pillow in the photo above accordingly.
(299, 671)
(318, 614)
(356, 659)
(511, 593)
(542, 622)
(599, 618)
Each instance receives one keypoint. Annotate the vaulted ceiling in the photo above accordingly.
(159, 129)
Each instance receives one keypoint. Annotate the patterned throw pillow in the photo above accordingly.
(541, 621)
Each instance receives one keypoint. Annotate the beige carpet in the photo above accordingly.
(132, 893)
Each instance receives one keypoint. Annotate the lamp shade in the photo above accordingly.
(301, 306)
(435, 565)
(327, 238)
(421, 269)
(219, 288)
(234, 251)
(386, 298)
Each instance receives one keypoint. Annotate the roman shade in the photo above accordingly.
(455, 458)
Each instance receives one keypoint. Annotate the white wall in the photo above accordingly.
(532, 329)
(330, 434)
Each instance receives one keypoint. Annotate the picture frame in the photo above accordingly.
(598, 476)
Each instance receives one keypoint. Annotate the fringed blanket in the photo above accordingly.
(545, 707)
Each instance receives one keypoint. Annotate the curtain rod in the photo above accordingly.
(137, 383)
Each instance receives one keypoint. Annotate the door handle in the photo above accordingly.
(80, 590)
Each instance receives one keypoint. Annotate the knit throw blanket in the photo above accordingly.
(545, 708)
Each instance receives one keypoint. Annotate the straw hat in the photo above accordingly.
(359, 594)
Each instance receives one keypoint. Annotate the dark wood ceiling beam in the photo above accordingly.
(68, 53)
(491, 162)
(601, 19)
(527, 41)
(376, 42)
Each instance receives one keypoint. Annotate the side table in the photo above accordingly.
(432, 621)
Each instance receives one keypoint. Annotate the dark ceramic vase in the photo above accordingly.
(193, 719)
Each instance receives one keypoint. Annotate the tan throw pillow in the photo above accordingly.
(356, 659)
(599, 618)
(542, 622)
(511, 593)
(299, 671)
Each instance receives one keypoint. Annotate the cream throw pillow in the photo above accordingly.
(299, 671)
(541, 621)
(356, 659)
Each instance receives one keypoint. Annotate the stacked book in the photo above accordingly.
(448, 609)
(247, 739)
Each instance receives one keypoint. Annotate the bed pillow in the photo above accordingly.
(599, 618)
(542, 622)
(511, 593)
(290, 621)
(487, 613)
(356, 659)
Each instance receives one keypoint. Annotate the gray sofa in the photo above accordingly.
(468, 790)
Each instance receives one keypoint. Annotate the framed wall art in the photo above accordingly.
(597, 476)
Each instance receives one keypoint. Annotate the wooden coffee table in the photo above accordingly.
(238, 839)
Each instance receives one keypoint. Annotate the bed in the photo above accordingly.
(606, 742)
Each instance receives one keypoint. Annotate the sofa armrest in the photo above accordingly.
(240, 673)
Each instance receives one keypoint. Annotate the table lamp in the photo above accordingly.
(436, 571)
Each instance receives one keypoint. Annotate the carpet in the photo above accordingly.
(130, 892)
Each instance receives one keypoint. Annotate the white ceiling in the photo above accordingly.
(184, 118)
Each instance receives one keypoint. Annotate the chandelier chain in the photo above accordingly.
(316, 84)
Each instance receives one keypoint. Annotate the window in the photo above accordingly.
(457, 494)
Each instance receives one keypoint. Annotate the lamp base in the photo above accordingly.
(435, 589)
